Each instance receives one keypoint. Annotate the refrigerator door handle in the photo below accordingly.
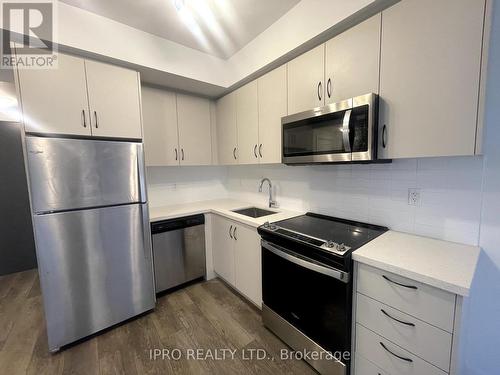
(141, 174)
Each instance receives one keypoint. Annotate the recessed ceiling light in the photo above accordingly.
(179, 4)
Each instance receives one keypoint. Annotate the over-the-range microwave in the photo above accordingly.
(342, 132)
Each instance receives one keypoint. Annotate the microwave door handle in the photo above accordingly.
(345, 130)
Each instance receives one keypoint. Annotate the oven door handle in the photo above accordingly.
(332, 272)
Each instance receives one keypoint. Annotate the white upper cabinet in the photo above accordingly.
(306, 81)
(114, 100)
(352, 62)
(55, 100)
(272, 94)
(81, 97)
(247, 120)
(194, 123)
(429, 78)
(160, 127)
(227, 134)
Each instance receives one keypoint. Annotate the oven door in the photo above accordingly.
(314, 298)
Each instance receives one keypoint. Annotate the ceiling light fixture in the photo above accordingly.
(179, 4)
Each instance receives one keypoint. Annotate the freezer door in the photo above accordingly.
(95, 269)
(69, 174)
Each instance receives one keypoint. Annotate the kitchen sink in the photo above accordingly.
(254, 212)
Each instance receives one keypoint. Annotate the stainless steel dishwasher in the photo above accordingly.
(178, 251)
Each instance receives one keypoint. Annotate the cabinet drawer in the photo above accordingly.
(428, 342)
(432, 305)
(365, 367)
(384, 354)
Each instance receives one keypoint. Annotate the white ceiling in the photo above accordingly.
(217, 27)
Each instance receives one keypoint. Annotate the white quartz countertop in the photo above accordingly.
(223, 207)
(445, 265)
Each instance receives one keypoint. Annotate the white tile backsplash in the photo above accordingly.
(450, 191)
(176, 185)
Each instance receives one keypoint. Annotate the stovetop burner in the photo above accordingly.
(331, 234)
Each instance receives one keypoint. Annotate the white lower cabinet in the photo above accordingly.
(403, 326)
(223, 248)
(237, 257)
(247, 261)
(421, 338)
(390, 357)
(365, 367)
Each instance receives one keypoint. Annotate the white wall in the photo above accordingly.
(481, 332)
(176, 185)
(378, 193)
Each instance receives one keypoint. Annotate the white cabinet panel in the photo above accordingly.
(55, 100)
(227, 135)
(223, 248)
(193, 119)
(365, 367)
(352, 61)
(305, 80)
(272, 93)
(432, 305)
(389, 356)
(160, 127)
(428, 342)
(248, 272)
(247, 120)
(429, 77)
(114, 100)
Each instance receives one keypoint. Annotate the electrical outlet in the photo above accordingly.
(414, 197)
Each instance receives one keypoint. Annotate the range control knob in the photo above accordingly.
(341, 247)
(266, 224)
(273, 226)
(330, 244)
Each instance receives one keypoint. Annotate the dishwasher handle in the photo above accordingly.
(177, 223)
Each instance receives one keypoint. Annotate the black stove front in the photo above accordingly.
(307, 289)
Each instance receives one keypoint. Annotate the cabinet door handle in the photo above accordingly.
(395, 355)
(234, 233)
(255, 150)
(96, 123)
(176, 154)
(397, 320)
(234, 153)
(231, 231)
(260, 150)
(84, 119)
(182, 153)
(384, 131)
(320, 90)
(329, 87)
(403, 285)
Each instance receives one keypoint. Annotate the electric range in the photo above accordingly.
(307, 284)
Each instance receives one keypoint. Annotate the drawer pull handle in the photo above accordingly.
(397, 320)
(395, 355)
(403, 285)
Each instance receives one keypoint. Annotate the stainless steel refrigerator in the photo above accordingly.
(92, 234)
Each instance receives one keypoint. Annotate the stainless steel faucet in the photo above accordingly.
(272, 203)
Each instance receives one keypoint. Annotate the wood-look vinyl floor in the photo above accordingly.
(207, 315)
